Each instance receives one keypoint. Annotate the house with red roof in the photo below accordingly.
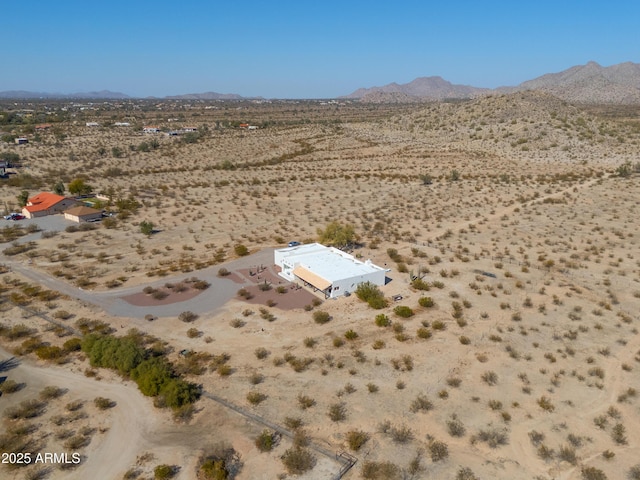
(46, 203)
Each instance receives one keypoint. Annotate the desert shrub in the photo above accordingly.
(337, 412)
(72, 345)
(223, 272)
(426, 302)
(439, 325)
(455, 427)
(298, 460)
(104, 403)
(305, 402)
(423, 333)
(49, 352)
(193, 333)
(490, 378)
(421, 404)
(10, 386)
(403, 311)
(321, 317)
(201, 285)
(401, 434)
(492, 436)
(545, 404)
(370, 293)
(380, 471)
(356, 439)
(382, 320)
(465, 473)
(420, 284)
(265, 441)
(255, 398)
(634, 472)
(240, 250)
(219, 462)
(187, 317)
(159, 295)
(568, 454)
(26, 409)
(51, 392)
(350, 334)
(163, 472)
(62, 315)
(438, 451)
(618, 434)
(592, 473)
(261, 353)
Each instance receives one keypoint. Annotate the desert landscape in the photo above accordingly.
(160, 342)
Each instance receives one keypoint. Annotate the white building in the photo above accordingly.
(326, 269)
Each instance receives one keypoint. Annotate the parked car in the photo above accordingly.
(17, 216)
(294, 244)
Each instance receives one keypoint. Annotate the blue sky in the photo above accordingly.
(304, 49)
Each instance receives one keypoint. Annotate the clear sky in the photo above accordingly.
(304, 48)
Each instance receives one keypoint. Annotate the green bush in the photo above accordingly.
(382, 320)
(403, 311)
(163, 472)
(241, 250)
(420, 284)
(356, 439)
(298, 460)
(265, 441)
(370, 293)
(321, 317)
(426, 302)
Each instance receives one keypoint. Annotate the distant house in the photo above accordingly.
(151, 129)
(121, 124)
(93, 124)
(244, 125)
(190, 129)
(21, 140)
(44, 126)
(46, 203)
(82, 213)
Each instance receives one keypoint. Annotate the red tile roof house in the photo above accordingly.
(46, 203)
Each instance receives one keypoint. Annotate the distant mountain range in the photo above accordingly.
(590, 83)
(23, 94)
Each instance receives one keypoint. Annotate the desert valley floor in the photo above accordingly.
(509, 227)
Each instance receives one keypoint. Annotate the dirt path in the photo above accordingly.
(132, 419)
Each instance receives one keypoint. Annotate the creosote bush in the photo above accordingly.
(370, 293)
(321, 317)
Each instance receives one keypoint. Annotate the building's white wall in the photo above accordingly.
(340, 287)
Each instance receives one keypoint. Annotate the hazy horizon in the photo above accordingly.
(294, 50)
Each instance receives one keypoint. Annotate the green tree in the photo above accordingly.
(58, 188)
(337, 235)
(152, 375)
(146, 227)
(23, 197)
(78, 186)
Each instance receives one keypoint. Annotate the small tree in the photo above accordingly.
(338, 235)
(58, 188)
(79, 187)
(23, 197)
(146, 228)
